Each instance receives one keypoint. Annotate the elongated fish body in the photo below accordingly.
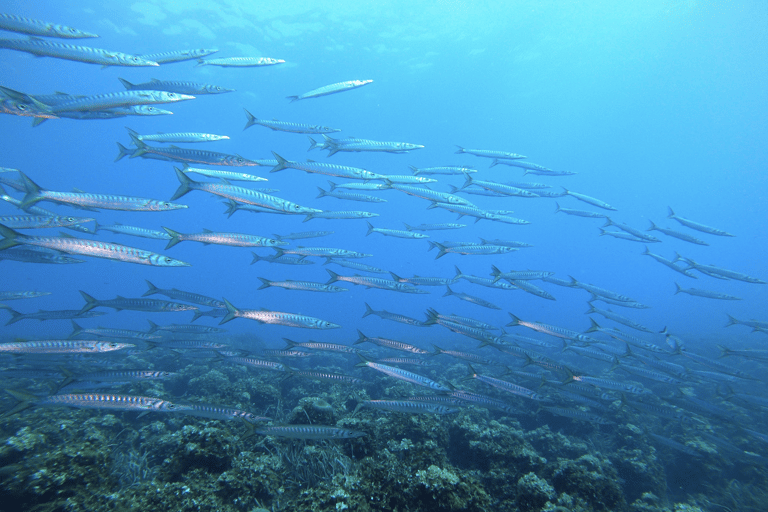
(262, 364)
(404, 375)
(668, 263)
(120, 303)
(384, 342)
(119, 99)
(507, 386)
(225, 175)
(347, 214)
(111, 333)
(531, 288)
(602, 292)
(424, 281)
(341, 171)
(45, 48)
(463, 320)
(309, 432)
(470, 298)
(434, 227)
(324, 347)
(31, 254)
(283, 260)
(632, 231)
(395, 317)
(357, 145)
(133, 231)
(461, 328)
(192, 88)
(405, 179)
(112, 113)
(499, 188)
(32, 27)
(179, 137)
(472, 211)
(330, 89)
(361, 186)
(697, 226)
(395, 232)
(522, 164)
(580, 213)
(473, 250)
(618, 318)
(216, 412)
(407, 406)
(284, 126)
(240, 62)
(722, 272)
(350, 196)
(432, 195)
(91, 248)
(483, 281)
(677, 234)
(353, 264)
(189, 156)
(276, 317)
(184, 328)
(63, 347)
(306, 286)
(177, 55)
(540, 172)
(5, 295)
(322, 252)
(303, 234)
(622, 235)
(42, 315)
(487, 153)
(552, 330)
(241, 194)
(518, 275)
(448, 170)
(704, 293)
(589, 199)
(40, 222)
(374, 282)
(220, 238)
(108, 202)
(112, 402)
(176, 294)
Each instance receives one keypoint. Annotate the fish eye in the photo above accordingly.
(167, 259)
(239, 159)
(296, 207)
(171, 406)
(112, 345)
(70, 219)
(22, 106)
(218, 88)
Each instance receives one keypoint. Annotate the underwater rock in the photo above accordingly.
(533, 492)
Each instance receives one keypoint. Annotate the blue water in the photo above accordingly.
(653, 104)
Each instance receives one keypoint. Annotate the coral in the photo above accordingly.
(533, 492)
(593, 480)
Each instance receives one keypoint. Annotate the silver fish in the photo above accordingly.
(330, 89)
(32, 27)
(45, 48)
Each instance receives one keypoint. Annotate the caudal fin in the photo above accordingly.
(251, 120)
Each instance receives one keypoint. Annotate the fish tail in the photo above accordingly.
(334, 276)
(251, 120)
(467, 181)
(460, 150)
(670, 212)
(368, 310)
(282, 163)
(141, 147)
(333, 185)
(370, 228)
(459, 274)
(200, 62)
(33, 192)
(361, 338)
(152, 289)
(515, 321)
(647, 251)
(185, 186)
(395, 277)
(175, 237)
(407, 227)
(415, 170)
(153, 326)
(25, 399)
(448, 291)
(608, 222)
(431, 315)
(322, 193)
(309, 217)
(124, 151)
(731, 321)
(256, 258)
(441, 247)
(266, 283)
(557, 207)
(677, 288)
(292, 98)
(128, 85)
(196, 314)
(312, 143)
(653, 226)
(231, 312)
(15, 316)
(10, 237)
(724, 351)
(76, 329)
(594, 325)
(90, 302)
(495, 272)
(132, 132)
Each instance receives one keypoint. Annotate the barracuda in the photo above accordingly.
(177, 55)
(218, 238)
(374, 282)
(349, 196)
(406, 406)
(177, 294)
(487, 153)
(190, 156)
(45, 48)
(385, 342)
(32, 27)
(403, 375)
(40, 222)
(284, 126)
(306, 286)
(63, 347)
(330, 89)
(120, 303)
(309, 432)
(276, 317)
(697, 226)
(240, 62)
(91, 248)
(176, 86)
(179, 137)
(341, 171)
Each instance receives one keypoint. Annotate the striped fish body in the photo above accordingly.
(40, 222)
(31, 254)
(697, 226)
(181, 137)
(360, 186)
(349, 196)
(105, 202)
(395, 233)
(21, 295)
(424, 281)
(178, 55)
(487, 153)
(119, 99)
(323, 252)
(631, 230)
(222, 413)
(45, 48)
(218, 238)
(342, 171)
(354, 265)
(19, 104)
(522, 164)
(127, 375)
(176, 294)
(432, 195)
(349, 214)
(184, 328)
(470, 298)
(509, 387)
(705, 293)
(408, 406)
(375, 282)
(191, 156)
(303, 234)
(32, 27)
(405, 179)
(276, 317)
(59, 314)
(358, 145)
(442, 170)
(306, 286)
(333, 378)
(618, 318)
(474, 250)
(499, 188)
(434, 227)
(309, 432)
(321, 346)
(134, 231)
(384, 342)
(176, 86)
(240, 62)
(580, 213)
(150, 305)
(395, 317)
(552, 330)
(330, 89)
(677, 234)
(284, 126)
(404, 375)
(602, 292)
(93, 248)
(225, 175)
(531, 288)
(63, 347)
(240, 194)
(590, 200)
(259, 363)
(113, 402)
